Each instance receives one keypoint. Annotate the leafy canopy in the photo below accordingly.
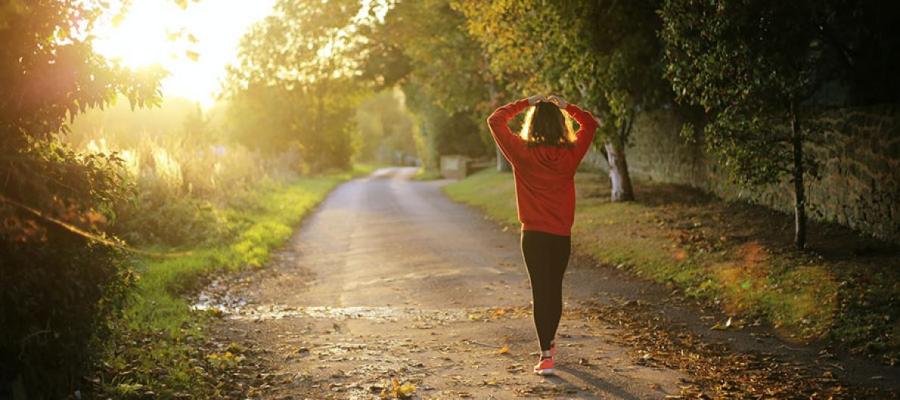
(50, 73)
(604, 55)
(423, 47)
(296, 82)
(748, 64)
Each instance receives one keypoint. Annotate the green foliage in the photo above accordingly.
(58, 182)
(386, 129)
(430, 30)
(57, 290)
(58, 298)
(50, 68)
(318, 126)
(122, 127)
(178, 187)
(179, 171)
(449, 97)
(756, 67)
(604, 55)
(748, 64)
(294, 86)
(441, 132)
(514, 42)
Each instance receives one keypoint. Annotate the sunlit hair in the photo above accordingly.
(546, 125)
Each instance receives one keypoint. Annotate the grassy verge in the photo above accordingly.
(158, 349)
(845, 289)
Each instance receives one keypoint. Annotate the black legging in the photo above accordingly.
(546, 257)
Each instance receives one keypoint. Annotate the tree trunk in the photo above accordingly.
(502, 162)
(494, 96)
(320, 121)
(619, 178)
(799, 192)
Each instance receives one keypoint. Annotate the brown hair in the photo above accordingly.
(546, 125)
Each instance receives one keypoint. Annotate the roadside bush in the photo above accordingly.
(180, 188)
(58, 289)
(57, 299)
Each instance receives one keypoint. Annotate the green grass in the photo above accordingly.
(158, 345)
(736, 256)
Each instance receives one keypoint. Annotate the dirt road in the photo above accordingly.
(390, 279)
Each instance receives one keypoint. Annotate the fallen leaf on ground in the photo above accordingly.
(398, 391)
(720, 326)
(505, 348)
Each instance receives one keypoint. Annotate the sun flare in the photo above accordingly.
(193, 44)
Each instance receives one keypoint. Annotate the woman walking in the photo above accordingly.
(544, 157)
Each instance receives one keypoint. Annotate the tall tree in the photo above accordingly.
(423, 47)
(385, 128)
(754, 67)
(602, 54)
(295, 84)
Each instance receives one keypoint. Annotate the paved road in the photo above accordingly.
(388, 278)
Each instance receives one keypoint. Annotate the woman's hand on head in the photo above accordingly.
(558, 101)
(536, 99)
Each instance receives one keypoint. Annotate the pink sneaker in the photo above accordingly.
(545, 366)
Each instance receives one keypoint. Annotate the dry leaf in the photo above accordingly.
(505, 348)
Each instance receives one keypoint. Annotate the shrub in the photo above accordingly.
(180, 188)
(57, 288)
(57, 298)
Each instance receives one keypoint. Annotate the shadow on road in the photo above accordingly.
(596, 383)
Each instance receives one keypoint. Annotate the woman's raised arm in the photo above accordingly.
(510, 144)
(587, 126)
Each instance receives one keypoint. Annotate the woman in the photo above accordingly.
(544, 158)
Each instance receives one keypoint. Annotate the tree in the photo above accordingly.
(50, 74)
(498, 29)
(296, 85)
(603, 54)
(385, 128)
(754, 67)
(58, 287)
(423, 47)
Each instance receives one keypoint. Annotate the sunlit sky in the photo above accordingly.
(143, 38)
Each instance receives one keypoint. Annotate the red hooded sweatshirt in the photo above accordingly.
(545, 175)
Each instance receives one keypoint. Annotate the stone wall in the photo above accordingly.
(859, 167)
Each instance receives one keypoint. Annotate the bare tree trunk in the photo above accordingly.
(502, 162)
(320, 117)
(619, 178)
(799, 191)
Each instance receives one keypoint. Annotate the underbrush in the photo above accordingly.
(845, 288)
(59, 287)
(182, 189)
